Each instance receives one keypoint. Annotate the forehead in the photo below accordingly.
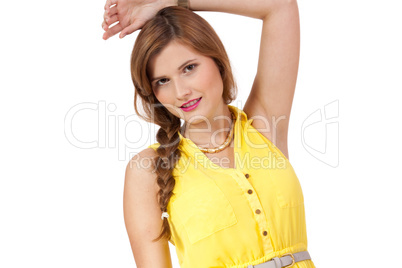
(170, 58)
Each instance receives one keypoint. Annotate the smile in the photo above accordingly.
(192, 105)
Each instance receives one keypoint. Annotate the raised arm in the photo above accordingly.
(271, 96)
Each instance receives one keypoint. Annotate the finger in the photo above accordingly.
(109, 3)
(105, 26)
(130, 29)
(106, 14)
(112, 31)
(111, 20)
(112, 11)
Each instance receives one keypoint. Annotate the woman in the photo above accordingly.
(227, 195)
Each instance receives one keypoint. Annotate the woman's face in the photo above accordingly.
(179, 74)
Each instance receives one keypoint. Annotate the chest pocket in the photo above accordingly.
(287, 186)
(204, 210)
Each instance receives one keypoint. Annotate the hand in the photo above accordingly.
(130, 14)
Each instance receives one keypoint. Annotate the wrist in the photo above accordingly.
(168, 3)
(183, 3)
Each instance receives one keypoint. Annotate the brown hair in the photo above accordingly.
(188, 28)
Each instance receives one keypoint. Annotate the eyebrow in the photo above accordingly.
(181, 66)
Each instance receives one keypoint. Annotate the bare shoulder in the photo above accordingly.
(142, 162)
(271, 128)
(142, 214)
(139, 170)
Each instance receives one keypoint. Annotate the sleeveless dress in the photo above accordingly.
(235, 217)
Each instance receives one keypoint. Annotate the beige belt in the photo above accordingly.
(287, 260)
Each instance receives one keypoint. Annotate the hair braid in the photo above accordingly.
(168, 155)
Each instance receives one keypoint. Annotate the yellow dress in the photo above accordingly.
(225, 217)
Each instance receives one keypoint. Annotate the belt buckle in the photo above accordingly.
(293, 259)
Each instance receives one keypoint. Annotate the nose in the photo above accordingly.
(182, 90)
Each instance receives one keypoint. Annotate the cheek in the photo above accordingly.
(167, 100)
(211, 80)
(162, 96)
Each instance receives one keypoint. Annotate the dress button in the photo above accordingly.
(247, 175)
(265, 233)
(250, 191)
(258, 211)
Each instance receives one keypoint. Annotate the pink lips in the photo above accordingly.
(192, 106)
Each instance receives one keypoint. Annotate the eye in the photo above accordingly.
(159, 84)
(192, 67)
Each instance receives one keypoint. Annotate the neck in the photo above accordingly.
(210, 132)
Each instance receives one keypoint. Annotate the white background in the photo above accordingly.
(61, 204)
